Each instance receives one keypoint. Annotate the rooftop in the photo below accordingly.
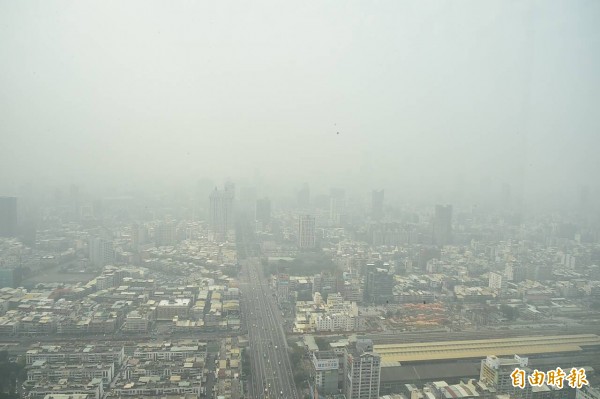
(445, 350)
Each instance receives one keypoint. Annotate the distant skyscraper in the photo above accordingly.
(230, 188)
(28, 231)
(496, 281)
(263, 211)
(306, 232)
(337, 206)
(164, 234)
(101, 251)
(247, 201)
(303, 197)
(86, 212)
(442, 225)
(8, 216)
(327, 283)
(10, 276)
(379, 285)
(221, 212)
(515, 272)
(377, 204)
(135, 236)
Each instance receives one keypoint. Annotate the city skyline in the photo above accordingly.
(501, 93)
(294, 200)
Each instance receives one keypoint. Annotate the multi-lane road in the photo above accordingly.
(271, 375)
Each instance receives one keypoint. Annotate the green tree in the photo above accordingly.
(300, 375)
(10, 373)
(246, 367)
(296, 356)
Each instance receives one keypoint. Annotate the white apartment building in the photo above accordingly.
(306, 231)
(135, 323)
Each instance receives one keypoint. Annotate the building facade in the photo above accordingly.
(325, 367)
(362, 371)
(263, 212)
(442, 225)
(8, 216)
(221, 213)
(101, 251)
(306, 232)
(377, 204)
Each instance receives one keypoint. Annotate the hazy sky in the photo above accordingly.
(424, 94)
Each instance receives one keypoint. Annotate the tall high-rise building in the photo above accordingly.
(362, 371)
(325, 368)
(135, 236)
(303, 197)
(337, 206)
(379, 285)
(306, 232)
(442, 225)
(101, 251)
(230, 189)
(377, 204)
(496, 281)
(8, 216)
(10, 275)
(164, 234)
(263, 212)
(139, 236)
(516, 272)
(247, 201)
(221, 212)
(327, 283)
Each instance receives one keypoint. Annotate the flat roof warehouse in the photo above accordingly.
(426, 351)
